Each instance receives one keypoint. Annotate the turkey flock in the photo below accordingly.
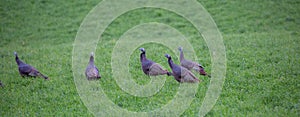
(181, 73)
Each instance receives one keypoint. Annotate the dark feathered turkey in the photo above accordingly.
(1, 84)
(92, 72)
(28, 70)
(149, 67)
(191, 65)
(180, 73)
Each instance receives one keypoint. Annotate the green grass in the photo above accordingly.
(262, 49)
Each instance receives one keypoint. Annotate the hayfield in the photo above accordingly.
(262, 49)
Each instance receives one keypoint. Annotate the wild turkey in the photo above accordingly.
(27, 70)
(1, 84)
(191, 65)
(149, 67)
(92, 72)
(180, 73)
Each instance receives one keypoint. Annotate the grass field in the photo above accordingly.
(262, 50)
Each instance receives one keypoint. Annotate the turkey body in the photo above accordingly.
(191, 65)
(180, 73)
(149, 67)
(1, 84)
(91, 71)
(28, 70)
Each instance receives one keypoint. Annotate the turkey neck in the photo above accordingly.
(19, 62)
(143, 56)
(170, 61)
(91, 60)
(181, 55)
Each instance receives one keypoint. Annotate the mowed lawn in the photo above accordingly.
(261, 38)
